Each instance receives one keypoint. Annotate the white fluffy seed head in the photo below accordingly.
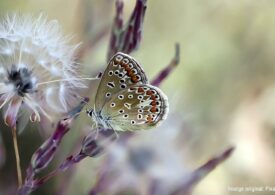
(37, 45)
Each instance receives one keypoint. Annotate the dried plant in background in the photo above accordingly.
(126, 38)
(35, 54)
(38, 71)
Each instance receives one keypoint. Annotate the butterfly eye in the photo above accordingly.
(138, 77)
(133, 122)
(116, 72)
(113, 104)
(90, 112)
(120, 75)
(130, 96)
(157, 103)
(122, 81)
(125, 116)
(140, 111)
(131, 65)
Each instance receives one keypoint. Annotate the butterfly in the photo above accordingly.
(125, 101)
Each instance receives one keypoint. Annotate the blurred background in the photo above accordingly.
(221, 94)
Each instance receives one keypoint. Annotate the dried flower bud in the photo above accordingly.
(95, 143)
(127, 38)
(44, 155)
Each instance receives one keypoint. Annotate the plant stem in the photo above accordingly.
(17, 157)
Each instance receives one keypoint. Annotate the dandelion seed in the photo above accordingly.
(37, 69)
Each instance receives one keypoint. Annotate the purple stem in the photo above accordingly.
(91, 147)
(117, 27)
(43, 156)
(46, 152)
(2, 153)
(127, 38)
(166, 71)
(201, 172)
(134, 29)
(36, 183)
(69, 162)
(102, 180)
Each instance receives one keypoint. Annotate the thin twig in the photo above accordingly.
(18, 167)
(169, 68)
(68, 163)
(202, 171)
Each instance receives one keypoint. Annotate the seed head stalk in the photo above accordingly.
(17, 157)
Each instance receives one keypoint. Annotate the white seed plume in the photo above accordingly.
(37, 68)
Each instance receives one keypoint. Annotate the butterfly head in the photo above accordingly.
(97, 118)
(90, 112)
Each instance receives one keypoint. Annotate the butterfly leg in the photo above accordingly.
(117, 136)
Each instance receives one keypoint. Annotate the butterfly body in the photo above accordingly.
(125, 101)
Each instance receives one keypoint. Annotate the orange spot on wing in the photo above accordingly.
(153, 109)
(134, 79)
(127, 70)
(153, 103)
(130, 74)
(149, 92)
(123, 63)
(149, 119)
(140, 90)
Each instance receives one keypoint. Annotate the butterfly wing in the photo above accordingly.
(138, 107)
(122, 71)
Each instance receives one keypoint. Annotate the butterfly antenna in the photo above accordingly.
(99, 75)
(76, 114)
(78, 109)
(84, 100)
